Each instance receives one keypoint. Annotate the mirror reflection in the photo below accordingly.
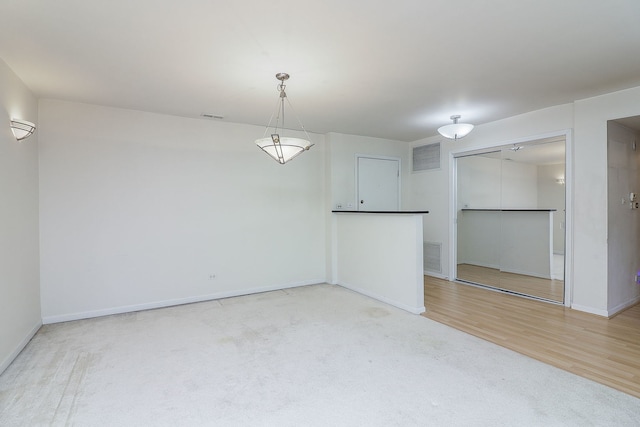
(511, 218)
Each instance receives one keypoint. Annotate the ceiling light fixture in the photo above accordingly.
(283, 148)
(22, 129)
(456, 130)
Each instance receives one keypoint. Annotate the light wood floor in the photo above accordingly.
(552, 290)
(603, 350)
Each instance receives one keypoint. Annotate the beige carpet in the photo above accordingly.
(311, 356)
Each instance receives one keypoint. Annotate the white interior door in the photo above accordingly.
(378, 184)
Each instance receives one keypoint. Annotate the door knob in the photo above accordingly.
(361, 201)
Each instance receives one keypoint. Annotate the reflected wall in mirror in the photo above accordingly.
(511, 218)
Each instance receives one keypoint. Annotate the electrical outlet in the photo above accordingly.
(212, 276)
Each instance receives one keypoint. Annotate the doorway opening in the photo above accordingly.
(623, 212)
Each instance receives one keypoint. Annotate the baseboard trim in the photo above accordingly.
(410, 309)
(621, 307)
(10, 358)
(480, 264)
(169, 303)
(527, 273)
(590, 310)
(437, 275)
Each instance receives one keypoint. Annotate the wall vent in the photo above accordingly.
(432, 253)
(426, 157)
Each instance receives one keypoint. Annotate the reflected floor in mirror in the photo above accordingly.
(552, 290)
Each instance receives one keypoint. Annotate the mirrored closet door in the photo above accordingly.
(511, 218)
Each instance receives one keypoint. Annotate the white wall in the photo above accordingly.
(479, 183)
(19, 271)
(519, 185)
(489, 183)
(551, 195)
(380, 255)
(526, 250)
(479, 238)
(590, 197)
(623, 222)
(139, 209)
(343, 150)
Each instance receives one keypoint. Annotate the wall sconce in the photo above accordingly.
(22, 129)
(560, 181)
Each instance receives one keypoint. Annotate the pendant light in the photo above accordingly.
(282, 148)
(456, 130)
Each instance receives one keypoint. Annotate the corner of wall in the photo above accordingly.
(19, 223)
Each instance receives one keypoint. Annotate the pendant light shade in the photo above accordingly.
(282, 148)
(22, 129)
(455, 130)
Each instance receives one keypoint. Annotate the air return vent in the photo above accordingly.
(432, 257)
(211, 116)
(426, 157)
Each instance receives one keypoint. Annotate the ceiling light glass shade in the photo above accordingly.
(22, 129)
(455, 130)
(283, 149)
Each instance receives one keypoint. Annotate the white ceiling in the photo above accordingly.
(394, 70)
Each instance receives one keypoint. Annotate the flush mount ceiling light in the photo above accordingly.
(22, 129)
(455, 130)
(282, 148)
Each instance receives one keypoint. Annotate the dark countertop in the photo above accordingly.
(386, 212)
(511, 210)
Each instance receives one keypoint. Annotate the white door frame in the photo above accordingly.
(568, 232)
(357, 177)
